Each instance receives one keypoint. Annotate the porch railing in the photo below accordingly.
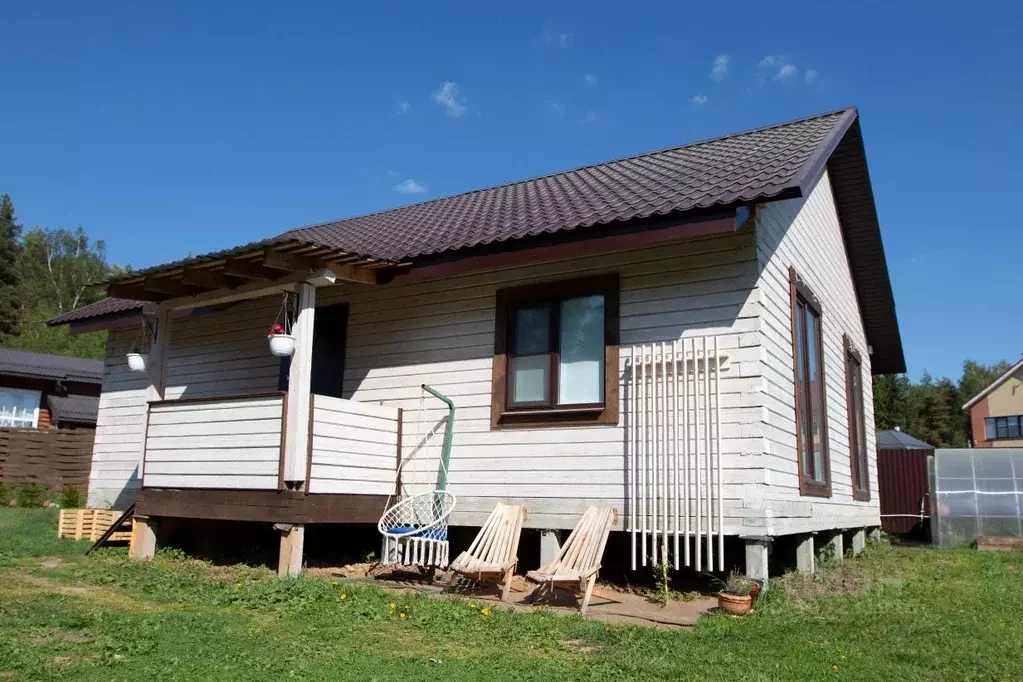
(237, 442)
(215, 442)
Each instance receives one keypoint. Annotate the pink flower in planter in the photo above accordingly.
(275, 330)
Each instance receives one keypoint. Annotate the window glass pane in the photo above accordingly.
(532, 330)
(816, 393)
(1002, 427)
(863, 473)
(1013, 427)
(989, 427)
(530, 377)
(802, 393)
(581, 369)
(17, 408)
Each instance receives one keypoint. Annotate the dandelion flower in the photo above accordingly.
(343, 596)
(485, 612)
(403, 616)
(834, 667)
(391, 606)
(472, 605)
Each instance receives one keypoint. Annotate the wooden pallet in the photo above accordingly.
(89, 524)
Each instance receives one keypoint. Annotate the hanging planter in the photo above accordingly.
(282, 341)
(138, 354)
(137, 361)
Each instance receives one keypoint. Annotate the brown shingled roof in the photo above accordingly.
(771, 163)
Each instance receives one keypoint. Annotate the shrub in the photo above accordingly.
(31, 495)
(72, 498)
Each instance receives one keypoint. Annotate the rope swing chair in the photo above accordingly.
(415, 529)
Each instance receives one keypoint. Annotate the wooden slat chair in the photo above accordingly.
(494, 553)
(576, 565)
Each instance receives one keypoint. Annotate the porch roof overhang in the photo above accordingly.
(249, 267)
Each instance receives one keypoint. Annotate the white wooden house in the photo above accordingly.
(687, 335)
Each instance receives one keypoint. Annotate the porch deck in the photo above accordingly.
(225, 458)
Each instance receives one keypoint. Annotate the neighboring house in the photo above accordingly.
(903, 482)
(41, 391)
(996, 413)
(686, 335)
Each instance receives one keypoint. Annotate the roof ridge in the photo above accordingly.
(577, 169)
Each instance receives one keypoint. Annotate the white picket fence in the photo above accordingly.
(674, 452)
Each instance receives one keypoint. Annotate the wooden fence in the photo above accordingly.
(57, 458)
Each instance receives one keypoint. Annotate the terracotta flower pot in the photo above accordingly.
(738, 605)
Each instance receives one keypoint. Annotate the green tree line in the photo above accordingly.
(932, 409)
(45, 272)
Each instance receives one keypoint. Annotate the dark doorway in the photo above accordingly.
(329, 333)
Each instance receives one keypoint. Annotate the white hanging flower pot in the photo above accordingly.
(137, 361)
(282, 345)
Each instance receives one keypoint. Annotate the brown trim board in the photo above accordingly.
(269, 506)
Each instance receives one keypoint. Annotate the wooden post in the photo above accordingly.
(143, 539)
(299, 384)
(289, 564)
(157, 370)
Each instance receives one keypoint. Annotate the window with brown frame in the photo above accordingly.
(857, 425)
(811, 410)
(556, 353)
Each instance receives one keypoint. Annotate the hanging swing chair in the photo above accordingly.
(415, 529)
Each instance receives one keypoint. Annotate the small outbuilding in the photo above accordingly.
(903, 486)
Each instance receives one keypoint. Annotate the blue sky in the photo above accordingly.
(168, 128)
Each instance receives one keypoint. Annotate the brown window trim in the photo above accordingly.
(501, 414)
(807, 484)
(856, 448)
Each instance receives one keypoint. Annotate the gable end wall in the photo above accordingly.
(806, 234)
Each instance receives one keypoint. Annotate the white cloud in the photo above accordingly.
(590, 117)
(409, 186)
(557, 108)
(590, 78)
(548, 36)
(698, 100)
(768, 62)
(720, 67)
(786, 73)
(403, 106)
(448, 97)
(811, 75)
(392, 173)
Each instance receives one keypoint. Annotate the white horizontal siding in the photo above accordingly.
(230, 443)
(441, 332)
(355, 447)
(117, 448)
(806, 234)
(223, 352)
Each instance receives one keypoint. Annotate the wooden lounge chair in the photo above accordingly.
(576, 566)
(494, 553)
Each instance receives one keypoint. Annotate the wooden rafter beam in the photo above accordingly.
(244, 269)
(166, 286)
(135, 290)
(351, 273)
(209, 279)
(287, 261)
(341, 269)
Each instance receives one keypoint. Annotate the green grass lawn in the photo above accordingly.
(894, 614)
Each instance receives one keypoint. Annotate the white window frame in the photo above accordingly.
(35, 412)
